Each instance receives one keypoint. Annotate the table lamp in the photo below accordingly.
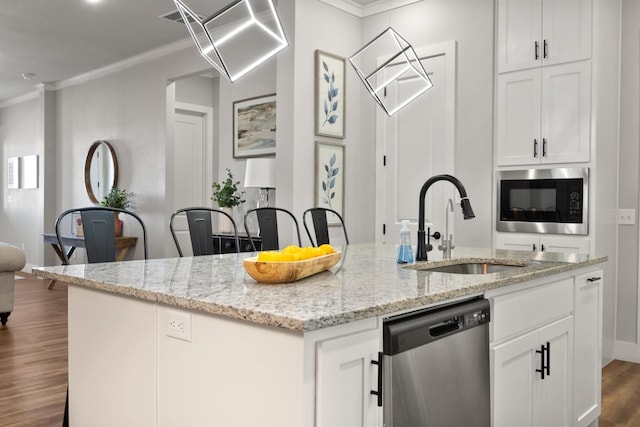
(261, 173)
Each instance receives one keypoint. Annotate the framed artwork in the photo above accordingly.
(254, 127)
(329, 178)
(330, 95)
(13, 173)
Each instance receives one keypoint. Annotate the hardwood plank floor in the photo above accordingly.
(33, 356)
(620, 395)
(33, 364)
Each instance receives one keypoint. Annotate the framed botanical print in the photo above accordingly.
(329, 178)
(329, 95)
(254, 127)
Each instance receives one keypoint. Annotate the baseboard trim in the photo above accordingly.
(627, 351)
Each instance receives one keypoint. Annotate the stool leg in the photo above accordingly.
(4, 317)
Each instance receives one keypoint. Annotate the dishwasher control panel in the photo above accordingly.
(477, 318)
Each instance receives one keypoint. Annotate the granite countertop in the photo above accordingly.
(367, 282)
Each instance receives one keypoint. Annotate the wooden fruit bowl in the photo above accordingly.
(286, 272)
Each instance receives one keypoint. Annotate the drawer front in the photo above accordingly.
(521, 311)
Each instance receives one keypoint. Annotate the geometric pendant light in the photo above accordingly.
(238, 38)
(385, 61)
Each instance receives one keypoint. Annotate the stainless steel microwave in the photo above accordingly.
(544, 201)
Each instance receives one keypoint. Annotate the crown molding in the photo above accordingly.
(20, 99)
(122, 65)
(362, 11)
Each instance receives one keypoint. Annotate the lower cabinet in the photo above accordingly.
(587, 378)
(546, 352)
(546, 242)
(345, 377)
(533, 377)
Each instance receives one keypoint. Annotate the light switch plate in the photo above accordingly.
(626, 216)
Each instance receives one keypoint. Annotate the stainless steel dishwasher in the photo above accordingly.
(436, 367)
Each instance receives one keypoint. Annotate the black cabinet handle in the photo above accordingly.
(541, 248)
(542, 369)
(534, 247)
(548, 367)
(545, 46)
(594, 279)
(378, 393)
(536, 50)
(535, 147)
(544, 147)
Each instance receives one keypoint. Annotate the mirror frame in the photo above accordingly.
(87, 168)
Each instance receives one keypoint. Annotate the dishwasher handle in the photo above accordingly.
(446, 327)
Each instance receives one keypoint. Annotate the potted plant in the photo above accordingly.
(117, 198)
(226, 195)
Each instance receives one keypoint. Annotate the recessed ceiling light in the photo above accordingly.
(28, 76)
(93, 1)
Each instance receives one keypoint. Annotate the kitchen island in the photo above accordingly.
(196, 341)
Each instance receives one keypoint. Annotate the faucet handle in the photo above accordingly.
(436, 235)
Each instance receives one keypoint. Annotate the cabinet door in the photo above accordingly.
(566, 31)
(345, 378)
(517, 242)
(587, 368)
(566, 113)
(519, 34)
(565, 244)
(518, 118)
(553, 394)
(521, 396)
(514, 381)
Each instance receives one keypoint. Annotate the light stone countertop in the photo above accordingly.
(367, 282)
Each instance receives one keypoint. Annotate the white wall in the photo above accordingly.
(470, 24)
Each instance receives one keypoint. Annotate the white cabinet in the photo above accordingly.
(532, 33)
(533, 377)
(544, 242)
(544, 114)
(345, 377)
(587, 374)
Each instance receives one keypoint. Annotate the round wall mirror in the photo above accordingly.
(100, 170)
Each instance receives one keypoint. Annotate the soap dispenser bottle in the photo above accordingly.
(405, 253)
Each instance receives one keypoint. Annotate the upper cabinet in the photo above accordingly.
(534, 33)
(543, 115)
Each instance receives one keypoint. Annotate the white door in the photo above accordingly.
(189, 166)
(417, 143)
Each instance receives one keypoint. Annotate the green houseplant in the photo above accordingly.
(226, 193)
(117, 198)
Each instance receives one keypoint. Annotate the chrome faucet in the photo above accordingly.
(447, 242)
(467, 211)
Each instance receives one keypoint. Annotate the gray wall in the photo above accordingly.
(627, 298)
(470, 23)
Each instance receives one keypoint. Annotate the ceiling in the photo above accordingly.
(58, 39)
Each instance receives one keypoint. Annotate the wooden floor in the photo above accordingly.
(33, 356)
(33, 364)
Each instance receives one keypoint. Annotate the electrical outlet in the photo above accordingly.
(626, 216)
(178, 325)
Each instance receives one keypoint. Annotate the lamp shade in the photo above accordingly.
(395, 60)
(260, 173)
(237, 38)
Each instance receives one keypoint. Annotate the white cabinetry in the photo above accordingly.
(546, 351)
(532, 378)
(545, 242)
(587, 376)
(345, 377)
(532, 33)
(543, 115)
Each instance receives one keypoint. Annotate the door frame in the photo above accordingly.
(449, 51)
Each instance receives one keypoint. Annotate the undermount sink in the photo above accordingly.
(471, 268)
